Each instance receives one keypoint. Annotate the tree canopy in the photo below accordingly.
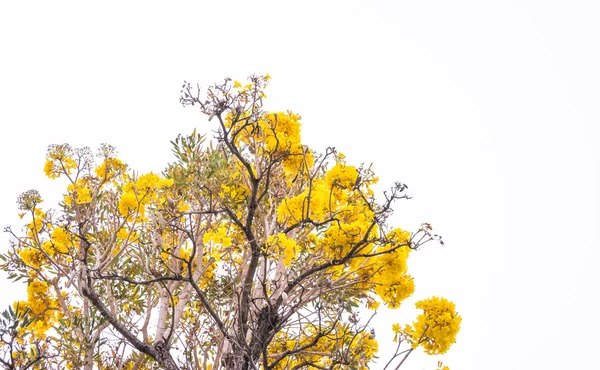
(251, 251)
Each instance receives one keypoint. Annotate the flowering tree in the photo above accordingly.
(253, 253)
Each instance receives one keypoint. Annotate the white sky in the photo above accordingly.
(488, 110)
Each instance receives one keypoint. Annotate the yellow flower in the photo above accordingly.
(68, 200)
(342, 176)
(58, 161)
(436, 328)
(61, 240)
(83, 195)
(395, 289)
(49, 169)
(79, 192)
(122, 234)
(396, 329)
(219, 236)
(148, 181)
(283, 246)
(399, 236)
(109, 168)
(37, 296)
(32, 257)
(127, 203)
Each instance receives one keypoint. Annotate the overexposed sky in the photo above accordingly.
(488, 110)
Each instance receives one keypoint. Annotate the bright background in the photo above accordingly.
(488, 110)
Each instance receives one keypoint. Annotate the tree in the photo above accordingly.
(251, 253)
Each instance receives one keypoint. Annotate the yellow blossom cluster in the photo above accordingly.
(325, 198)
(282, 246)
(436, 328)
(234, 192)
(367, 348)
(208, 265)
(110, 168)
(149, 182)
(277, 135)
(32, 257)
(218, 236)
(394, 284)
(61, 240)
(342, 176)
(43, 307)
(59, 161)
(357, 347)
(308, 205)
(38, 223)
(138, 193)
(283, 136)
(335, 196)
(128, 203)
(79, 191)
(37, 296)
(397, 331)
(339, 239)
(123, 233)
(395, 291)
